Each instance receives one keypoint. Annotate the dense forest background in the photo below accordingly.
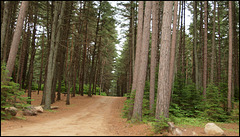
(69, 47)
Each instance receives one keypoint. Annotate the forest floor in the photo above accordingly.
(88, 116)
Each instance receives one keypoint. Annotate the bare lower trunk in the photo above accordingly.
(16, 38)
(162, 104)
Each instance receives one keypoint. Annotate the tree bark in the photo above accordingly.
(205, 51)
(162, 104)
(138, 52)
(155, 6)
(40, 77)
(53, 53)
(172, 57)
(230, 58)
(213, 45)
(195, 46)
(16, 38)
(32, 54)
(219, 49)
(137, 108)
(4, 25)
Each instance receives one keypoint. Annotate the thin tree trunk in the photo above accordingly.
(205, 51)
(172, 57)
(41, 69)
(32, 54)
(92, 72)
(219, 49)
(213, 45)
(230, 58)
(155, 6)
(195, 46)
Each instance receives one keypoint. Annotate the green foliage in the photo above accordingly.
(188, 121)
(128, 103)
(186, 100)
(213, 107)
(103, 94)
(34, 86)
(10, 94)
(160, 124)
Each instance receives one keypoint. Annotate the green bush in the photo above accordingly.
(103, 94)
(214, 99)
(128, 103)
(160, 124)
(10, 94)
(34, 86)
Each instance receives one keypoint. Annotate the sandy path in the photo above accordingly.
(90, 120)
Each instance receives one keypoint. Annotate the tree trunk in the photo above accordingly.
(219, 49)
(53, 52)
(41, 69)
(32, 54)
(138, 52)
(213, 45)
(137, 108)
(84, 52)
(4, 25)
(205, 51)
(162, 104)
(230, 58)
(155, 6)
(92, 72)
(172, 57)
(195, 46)
(16, 38)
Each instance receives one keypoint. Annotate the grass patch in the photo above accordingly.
(186, 121)
(231, 130)
(21, 118)
(49, 110)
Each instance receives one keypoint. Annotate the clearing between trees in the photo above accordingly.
(87, 116)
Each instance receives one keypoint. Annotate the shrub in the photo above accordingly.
(128, 103)
(213, 110)
(160, 124)
(10, 94)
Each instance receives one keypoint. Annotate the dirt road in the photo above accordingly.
(88, 116)
(89, 120)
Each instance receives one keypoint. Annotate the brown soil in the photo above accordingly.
(87, 116)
